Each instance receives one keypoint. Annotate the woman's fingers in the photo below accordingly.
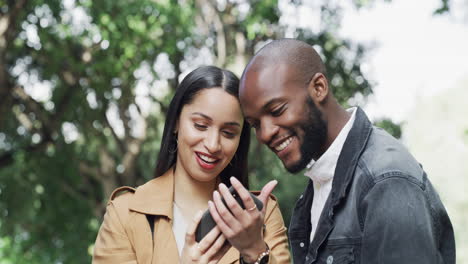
(247, 199)
(231, 202)
(219, 220)
(224, 212)
(266, 191)
(209, 239)
(210, 249)
(215, 247)
(244, 194)
(224, 249)
(190, 235)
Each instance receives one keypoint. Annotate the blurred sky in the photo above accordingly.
(417, 54)
(413, 53)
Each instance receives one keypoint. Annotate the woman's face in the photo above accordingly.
(209, 130)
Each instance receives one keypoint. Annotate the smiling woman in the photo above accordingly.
(205, 142)
(209, 136)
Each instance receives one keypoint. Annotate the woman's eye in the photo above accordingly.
(200, 126)
(229, 134)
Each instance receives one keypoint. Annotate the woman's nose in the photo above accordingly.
(212, 142)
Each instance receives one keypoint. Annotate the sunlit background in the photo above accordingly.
(84, 87)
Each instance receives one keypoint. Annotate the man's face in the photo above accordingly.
(285, 118)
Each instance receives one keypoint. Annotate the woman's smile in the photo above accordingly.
(206, 161)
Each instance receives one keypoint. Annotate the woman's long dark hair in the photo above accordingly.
(205, 77)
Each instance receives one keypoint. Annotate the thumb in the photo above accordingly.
(266, 191)
(190, 234)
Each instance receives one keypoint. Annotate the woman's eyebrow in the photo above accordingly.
(232, 123)
(202, 115)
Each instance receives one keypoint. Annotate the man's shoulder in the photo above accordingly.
(385, 156)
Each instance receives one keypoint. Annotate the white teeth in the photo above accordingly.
(284, 144)
(206, 158)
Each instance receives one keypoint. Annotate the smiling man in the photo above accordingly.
(368, 199)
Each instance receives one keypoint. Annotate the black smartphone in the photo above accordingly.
(207, 223)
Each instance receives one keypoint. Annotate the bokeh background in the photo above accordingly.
(84, 86)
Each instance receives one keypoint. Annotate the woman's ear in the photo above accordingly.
(176, 127)
(318, 88)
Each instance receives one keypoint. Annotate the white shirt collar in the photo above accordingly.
(323, 169)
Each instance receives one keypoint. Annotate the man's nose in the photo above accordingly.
(266, 132)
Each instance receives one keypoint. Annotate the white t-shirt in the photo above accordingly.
(179, 227)
(322, 171)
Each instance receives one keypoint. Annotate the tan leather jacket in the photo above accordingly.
(125, 234)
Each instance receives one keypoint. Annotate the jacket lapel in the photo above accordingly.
(344, 172)
(154, 198)
(165, 250)
(349, 156)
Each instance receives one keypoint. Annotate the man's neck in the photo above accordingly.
(336, 120)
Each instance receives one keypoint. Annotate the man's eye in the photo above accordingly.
(254, 125)
(278, 111)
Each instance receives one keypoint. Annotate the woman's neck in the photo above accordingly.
(191, 195)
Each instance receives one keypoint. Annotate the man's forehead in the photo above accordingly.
(267, 80)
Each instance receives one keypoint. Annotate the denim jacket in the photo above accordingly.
(382, 208)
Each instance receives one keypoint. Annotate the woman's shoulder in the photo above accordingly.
(153, 197)
(119, 200)
(122, 191)
(124, 194)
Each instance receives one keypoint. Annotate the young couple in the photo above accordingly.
(368, 200)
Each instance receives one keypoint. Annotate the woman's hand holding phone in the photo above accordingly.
(242, 228)
(209, 250)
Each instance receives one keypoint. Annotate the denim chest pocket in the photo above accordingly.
(337, 255)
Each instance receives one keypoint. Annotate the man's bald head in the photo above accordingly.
(284, 95)
(293, 53)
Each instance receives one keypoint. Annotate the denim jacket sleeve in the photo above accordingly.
(397, 223)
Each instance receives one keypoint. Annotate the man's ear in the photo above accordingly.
(318, 88)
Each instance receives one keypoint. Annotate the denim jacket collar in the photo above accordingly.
(347, 161)
(352, 149)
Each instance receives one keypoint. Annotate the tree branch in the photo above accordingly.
(32, 105)
(130, 157)
(85, 169)
(212, 16)
(8, 26)
(119, 142)
(7, 158)
(161, 104)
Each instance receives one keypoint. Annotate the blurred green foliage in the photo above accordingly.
(84, 86)
(444, 7)
(391, 127)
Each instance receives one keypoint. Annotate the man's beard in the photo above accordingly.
(315, 135)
